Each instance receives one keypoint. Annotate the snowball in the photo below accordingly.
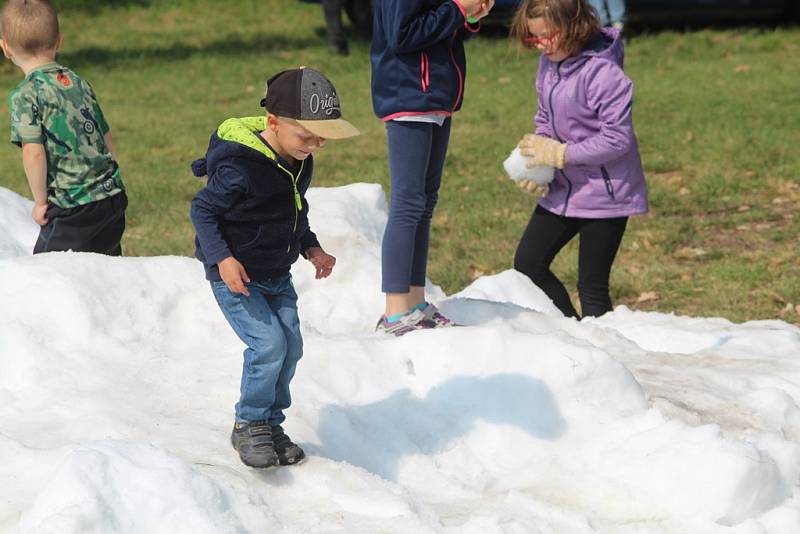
(517, 169)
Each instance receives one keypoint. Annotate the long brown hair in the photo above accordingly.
(574, 20)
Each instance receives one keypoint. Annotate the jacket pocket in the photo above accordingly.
(607, 181)
(253, 241)
(268, 249)
(271, 235)
(424, 71)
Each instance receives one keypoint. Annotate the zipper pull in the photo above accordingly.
(297, 200)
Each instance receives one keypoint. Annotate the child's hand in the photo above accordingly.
(534, 189)
(471, 7)
(234, 275)
(321, 260)
(483, 9)
(542, 150)
(39, 214)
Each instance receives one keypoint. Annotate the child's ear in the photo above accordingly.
(6, 50)
(58, 41)
(272, 122)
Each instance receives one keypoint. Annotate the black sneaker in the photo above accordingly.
(289, 453)
(253, 442)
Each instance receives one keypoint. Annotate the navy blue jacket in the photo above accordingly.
(253, 207)
(417, 54)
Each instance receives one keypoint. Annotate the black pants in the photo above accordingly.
(547, 234)
(94, 227)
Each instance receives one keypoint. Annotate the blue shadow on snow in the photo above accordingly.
(376, 436)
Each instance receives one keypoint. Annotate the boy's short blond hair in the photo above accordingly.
(29, 26)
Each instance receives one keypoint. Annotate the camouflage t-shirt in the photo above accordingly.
(55, 108)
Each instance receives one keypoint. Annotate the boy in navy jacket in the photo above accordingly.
(252, 224)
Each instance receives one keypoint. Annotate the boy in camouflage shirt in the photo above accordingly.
(67, 152)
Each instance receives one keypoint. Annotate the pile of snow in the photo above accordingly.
(118, 378)
(17, 230)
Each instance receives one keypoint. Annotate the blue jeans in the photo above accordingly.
(416, 159)
(615, 12)
(268, 324)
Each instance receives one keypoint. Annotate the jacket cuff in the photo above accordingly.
(215, 258)
(308, 242)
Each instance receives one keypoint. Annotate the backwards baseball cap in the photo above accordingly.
(309, 98)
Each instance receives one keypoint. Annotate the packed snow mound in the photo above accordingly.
(18, 231)
(118, 378)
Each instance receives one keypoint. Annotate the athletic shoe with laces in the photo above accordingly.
(433, 314)
(413, 320)
(253, 442)
(289, 453)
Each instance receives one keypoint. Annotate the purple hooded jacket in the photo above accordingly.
(586, 101)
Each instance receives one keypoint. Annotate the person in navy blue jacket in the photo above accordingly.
(251, 220)
(418, 73)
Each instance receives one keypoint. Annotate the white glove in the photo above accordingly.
(516, 165)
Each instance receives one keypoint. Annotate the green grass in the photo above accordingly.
(716, 113)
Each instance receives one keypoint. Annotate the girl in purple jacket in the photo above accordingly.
(584, 129)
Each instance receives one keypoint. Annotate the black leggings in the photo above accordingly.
(547, 234)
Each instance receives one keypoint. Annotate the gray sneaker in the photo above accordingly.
(253, 442)
(414, 320)
(433, 315)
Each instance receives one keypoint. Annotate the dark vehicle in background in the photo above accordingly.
(503, 10)
(646, 11)
(639, 11)
(671, 10)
